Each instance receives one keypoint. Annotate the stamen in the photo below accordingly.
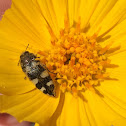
(78, 25)
(78, 60)
(106, 48)
(53, 37)
(66, 23)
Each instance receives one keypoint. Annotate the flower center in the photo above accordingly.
(78, 60)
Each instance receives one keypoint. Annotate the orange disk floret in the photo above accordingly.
(78, 60)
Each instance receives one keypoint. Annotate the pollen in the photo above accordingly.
(77, 60)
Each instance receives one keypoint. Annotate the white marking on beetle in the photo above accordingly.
(44, 74)
(34, 64)
(28, 68)
(35, 81)
(42, 89)
(49, 83)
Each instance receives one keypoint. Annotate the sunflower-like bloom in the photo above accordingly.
(82, 43)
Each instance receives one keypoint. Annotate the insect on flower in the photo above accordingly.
(36, 72)
(83, 43)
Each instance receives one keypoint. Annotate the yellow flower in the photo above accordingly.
(83, 44)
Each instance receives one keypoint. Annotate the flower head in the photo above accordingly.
(82, 45)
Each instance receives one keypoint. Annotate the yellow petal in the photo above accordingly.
(116, 35)
(47, 10)
(72, 8)
(118, 73)
(88, 110)
(59, 7)
(36, 124)
(101, 112)
(114, 17)
(71, 112)
(86, 9)
(32, 106)
(55, 11)
(114, 91)
(102, 9)
(11, 75)
(106, 15)
(23, 24)
(19, 27)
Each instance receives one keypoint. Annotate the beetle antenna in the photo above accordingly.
(27, 47)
